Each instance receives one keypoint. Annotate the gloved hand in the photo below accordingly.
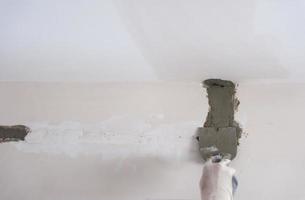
(217, 181)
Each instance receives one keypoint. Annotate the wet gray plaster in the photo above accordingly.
(13, 133)
(220, 132)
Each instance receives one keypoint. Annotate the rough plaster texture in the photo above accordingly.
(220, 132)
(217, 141)
(79, 118)
(222, 102)
(13, 133)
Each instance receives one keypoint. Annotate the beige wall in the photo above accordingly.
(135, 141)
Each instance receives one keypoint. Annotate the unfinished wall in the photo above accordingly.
(135, 141)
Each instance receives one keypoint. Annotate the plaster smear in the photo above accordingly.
(223, 104)
(120, 136)
(220, 129)
(13, 133)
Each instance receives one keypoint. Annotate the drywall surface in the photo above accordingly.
(119, 40)
(136, 141)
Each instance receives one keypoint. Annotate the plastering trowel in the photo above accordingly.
(220, 133)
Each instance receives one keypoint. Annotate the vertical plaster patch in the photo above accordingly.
(221, 132)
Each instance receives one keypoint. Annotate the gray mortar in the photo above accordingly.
(13, 133)
(220, 129)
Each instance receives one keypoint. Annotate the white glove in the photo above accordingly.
(217, 181)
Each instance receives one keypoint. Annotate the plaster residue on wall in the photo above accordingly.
(13, 133)
(221, 132)
(223, 104)
(119, 136)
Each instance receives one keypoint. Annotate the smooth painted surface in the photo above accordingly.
(269, 163)
(131, 40)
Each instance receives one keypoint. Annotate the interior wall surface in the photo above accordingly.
(136, 141)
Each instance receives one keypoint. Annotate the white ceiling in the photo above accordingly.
(139, 40)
